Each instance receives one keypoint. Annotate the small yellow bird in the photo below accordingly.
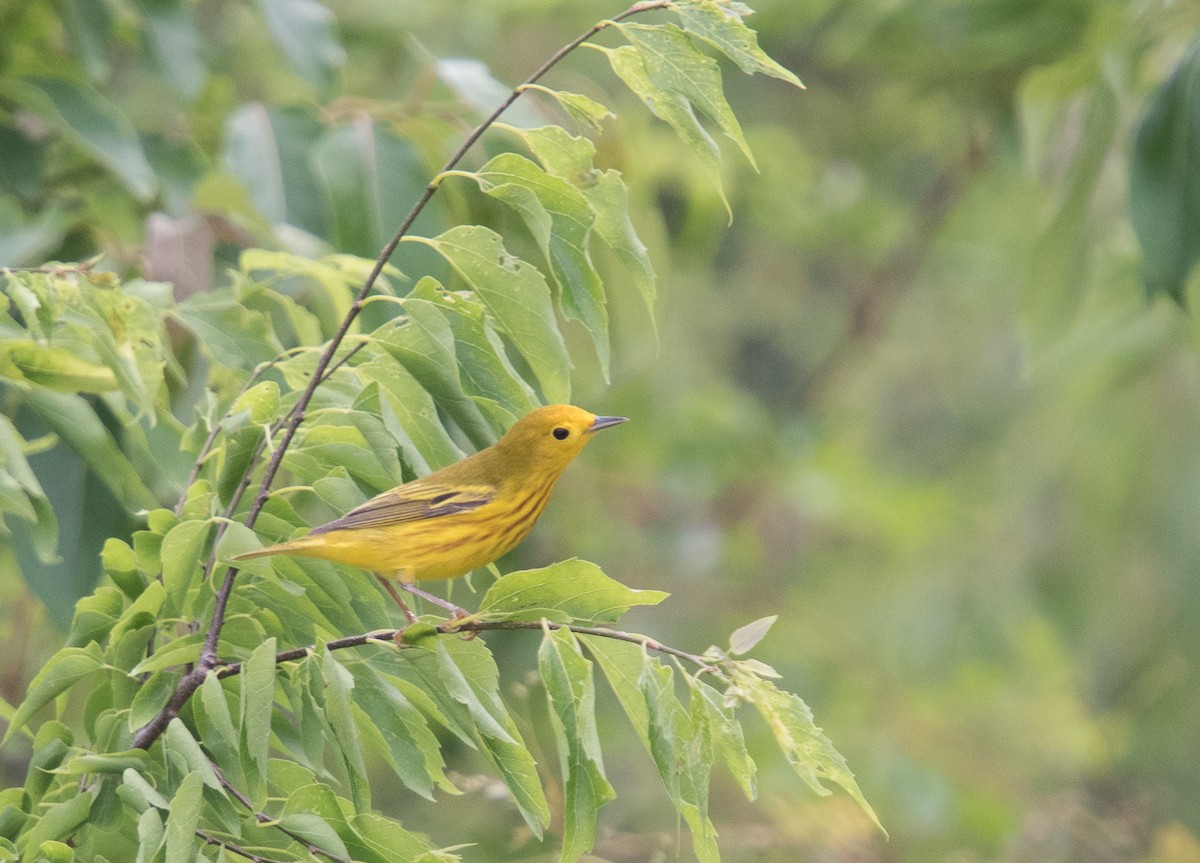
(461, 517)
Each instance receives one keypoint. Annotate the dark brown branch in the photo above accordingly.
(267, 820)
(190, 682)
(236, 849)
(454, 627)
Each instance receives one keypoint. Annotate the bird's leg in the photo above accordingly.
(408, 615)
(455, 610)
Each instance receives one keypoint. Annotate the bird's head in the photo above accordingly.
(548, 438)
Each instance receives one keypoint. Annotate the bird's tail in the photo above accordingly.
(296, 546)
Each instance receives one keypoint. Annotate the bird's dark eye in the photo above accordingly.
(560, 433)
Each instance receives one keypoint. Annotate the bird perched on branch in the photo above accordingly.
(458, 518)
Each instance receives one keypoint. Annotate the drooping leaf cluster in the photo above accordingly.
(265, 746)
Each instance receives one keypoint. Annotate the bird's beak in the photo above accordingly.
(605, 422)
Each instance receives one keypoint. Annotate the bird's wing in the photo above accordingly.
(412, 502)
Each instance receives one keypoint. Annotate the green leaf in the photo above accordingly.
(306, 32)
(183, 817)
(412, 749)
(682, 751)
(560, 219)
(316, 831)
(516, 295)
(178, 651)
(63, 670)
(95, 616)
(214, 722)
(669, 106)
(745, 637)
(573, 590)
(257, 703)
(583, 109)
(175, 45)
(60, 820)
(152, 833)
(27, 498)
(673, 64)
(807, 749)
(720, 25)
(570, 689)
(151, 697)
(109, 762)
(74, 420)
(179, 742)
(181, 560)
(56, 368)
(93, 124)
(370, 176)
(468, 673)
(1165, 179)
(339, 715)
(382, 840)
(267, 149)
(622, 664)
(728, 738)
(409, 413)
(424, 343)
(483, 366)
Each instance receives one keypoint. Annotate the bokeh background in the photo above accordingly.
(915, 399)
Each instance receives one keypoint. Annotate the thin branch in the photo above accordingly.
(456, 627)
(267, 821)
(190, 682)
(236, 849)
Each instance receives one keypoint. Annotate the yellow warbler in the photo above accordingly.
(460, 517)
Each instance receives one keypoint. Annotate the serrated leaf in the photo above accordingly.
(409, 413)
(745, 637)
(483, 365)
(516, 295)
(669, 106)
(560, 219)
(468, 673)
(183, 817)
(673, 64)
(806, 748)
(583, 109)
(680, 747)
(62, 671)
(720, 25)
(728, 738)
(424, 343)
(412, 750)
(567, 677)
(572, 590)
(622, 664)
(339, 715)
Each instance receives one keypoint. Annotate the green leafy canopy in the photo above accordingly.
(199, 712)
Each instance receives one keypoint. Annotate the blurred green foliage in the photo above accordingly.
(914, 400)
